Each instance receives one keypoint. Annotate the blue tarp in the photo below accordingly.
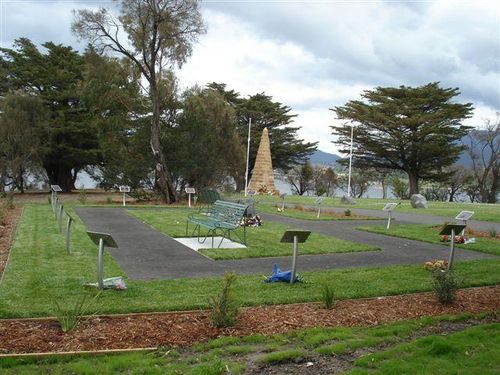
(279, 275)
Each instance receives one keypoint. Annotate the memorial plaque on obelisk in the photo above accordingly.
(262, 181)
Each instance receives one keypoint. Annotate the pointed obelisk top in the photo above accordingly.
(262, 180)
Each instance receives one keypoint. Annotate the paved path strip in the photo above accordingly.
(406, 217)
(147, 254)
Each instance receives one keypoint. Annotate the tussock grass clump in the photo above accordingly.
(70, 317)
(327, 295)
(224, 309)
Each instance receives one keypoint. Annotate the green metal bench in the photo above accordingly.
(223, 217)
(208, 196)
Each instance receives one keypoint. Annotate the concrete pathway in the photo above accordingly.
(146, 254)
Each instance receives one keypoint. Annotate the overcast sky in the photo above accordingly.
(314, 55)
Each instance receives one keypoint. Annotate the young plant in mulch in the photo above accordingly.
(224, 309)
(327, 295)
(70, 317)
(445, 285)
(493, 233)
(347, 212)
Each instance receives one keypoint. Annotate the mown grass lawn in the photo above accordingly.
(395, 350)
(427, 233)
(263, 241)
(308, 214)
(39, 272)
(483, 211)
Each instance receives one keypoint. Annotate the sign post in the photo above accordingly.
(318, 202)
(450, 230)
(59, 217)
(283, 196)
(189, 191)
(464, 216)
(101, 239)
(68, 233)
(389, 207)
(124, 189)
(54, 190)
(295, 237)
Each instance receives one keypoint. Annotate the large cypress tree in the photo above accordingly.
(411, 129)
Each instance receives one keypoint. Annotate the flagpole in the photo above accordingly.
(248, 156)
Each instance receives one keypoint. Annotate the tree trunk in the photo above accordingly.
(61, 176)
(164, 181)
(413, 180)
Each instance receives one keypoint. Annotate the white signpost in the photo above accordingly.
(190, 191)
(464, 216)
(389, 207)
(124, 189)
(318, 202)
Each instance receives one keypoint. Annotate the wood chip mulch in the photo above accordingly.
(186, 328)
(7, 230)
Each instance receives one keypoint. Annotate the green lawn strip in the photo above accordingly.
(213, 356)
(472, 351)
(39, 272)
(482, 211)
(310, 214)
(263, 241)
(426, 233)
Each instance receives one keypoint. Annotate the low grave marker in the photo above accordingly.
(295, 236)
(388, 208)
(450, 230)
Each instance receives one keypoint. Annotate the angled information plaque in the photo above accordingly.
(55, 188)
(449, 228)
(124, 189)
(464, 215)
(389, 206)
(108, 241)
(302, 236)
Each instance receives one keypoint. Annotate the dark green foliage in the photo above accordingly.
(68, 140)
(347, 212)
(224, 309)
(301, 178)
(445, 285)
(408, 129)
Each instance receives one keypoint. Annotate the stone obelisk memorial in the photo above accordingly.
(262, 181)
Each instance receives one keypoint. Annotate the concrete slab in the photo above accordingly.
(194, 244)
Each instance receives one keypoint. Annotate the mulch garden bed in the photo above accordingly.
(186, 328)
(7, 230)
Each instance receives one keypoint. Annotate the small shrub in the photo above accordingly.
(82, 196)
(493, 233)
(327, 294)
(2, 216)
(445, 285)
(109, 200)
(143, 195)
(69, 318)
(224, 308)
(347, 212)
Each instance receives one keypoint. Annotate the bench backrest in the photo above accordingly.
(228, 212)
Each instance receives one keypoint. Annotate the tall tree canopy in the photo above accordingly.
(68, 142)
(287, 149)
(160, 35)
(413, 129)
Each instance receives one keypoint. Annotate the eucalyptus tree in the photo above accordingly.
(160, 35)
(411, 129)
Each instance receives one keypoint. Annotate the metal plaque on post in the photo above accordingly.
(189, 191)
(464, 216)
(295, 237)
(124, 189)
(101, 239)
(388, 208)
(451, 230)
(283, 196)
(54, 189)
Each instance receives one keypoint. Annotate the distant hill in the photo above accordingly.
(323, 158)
